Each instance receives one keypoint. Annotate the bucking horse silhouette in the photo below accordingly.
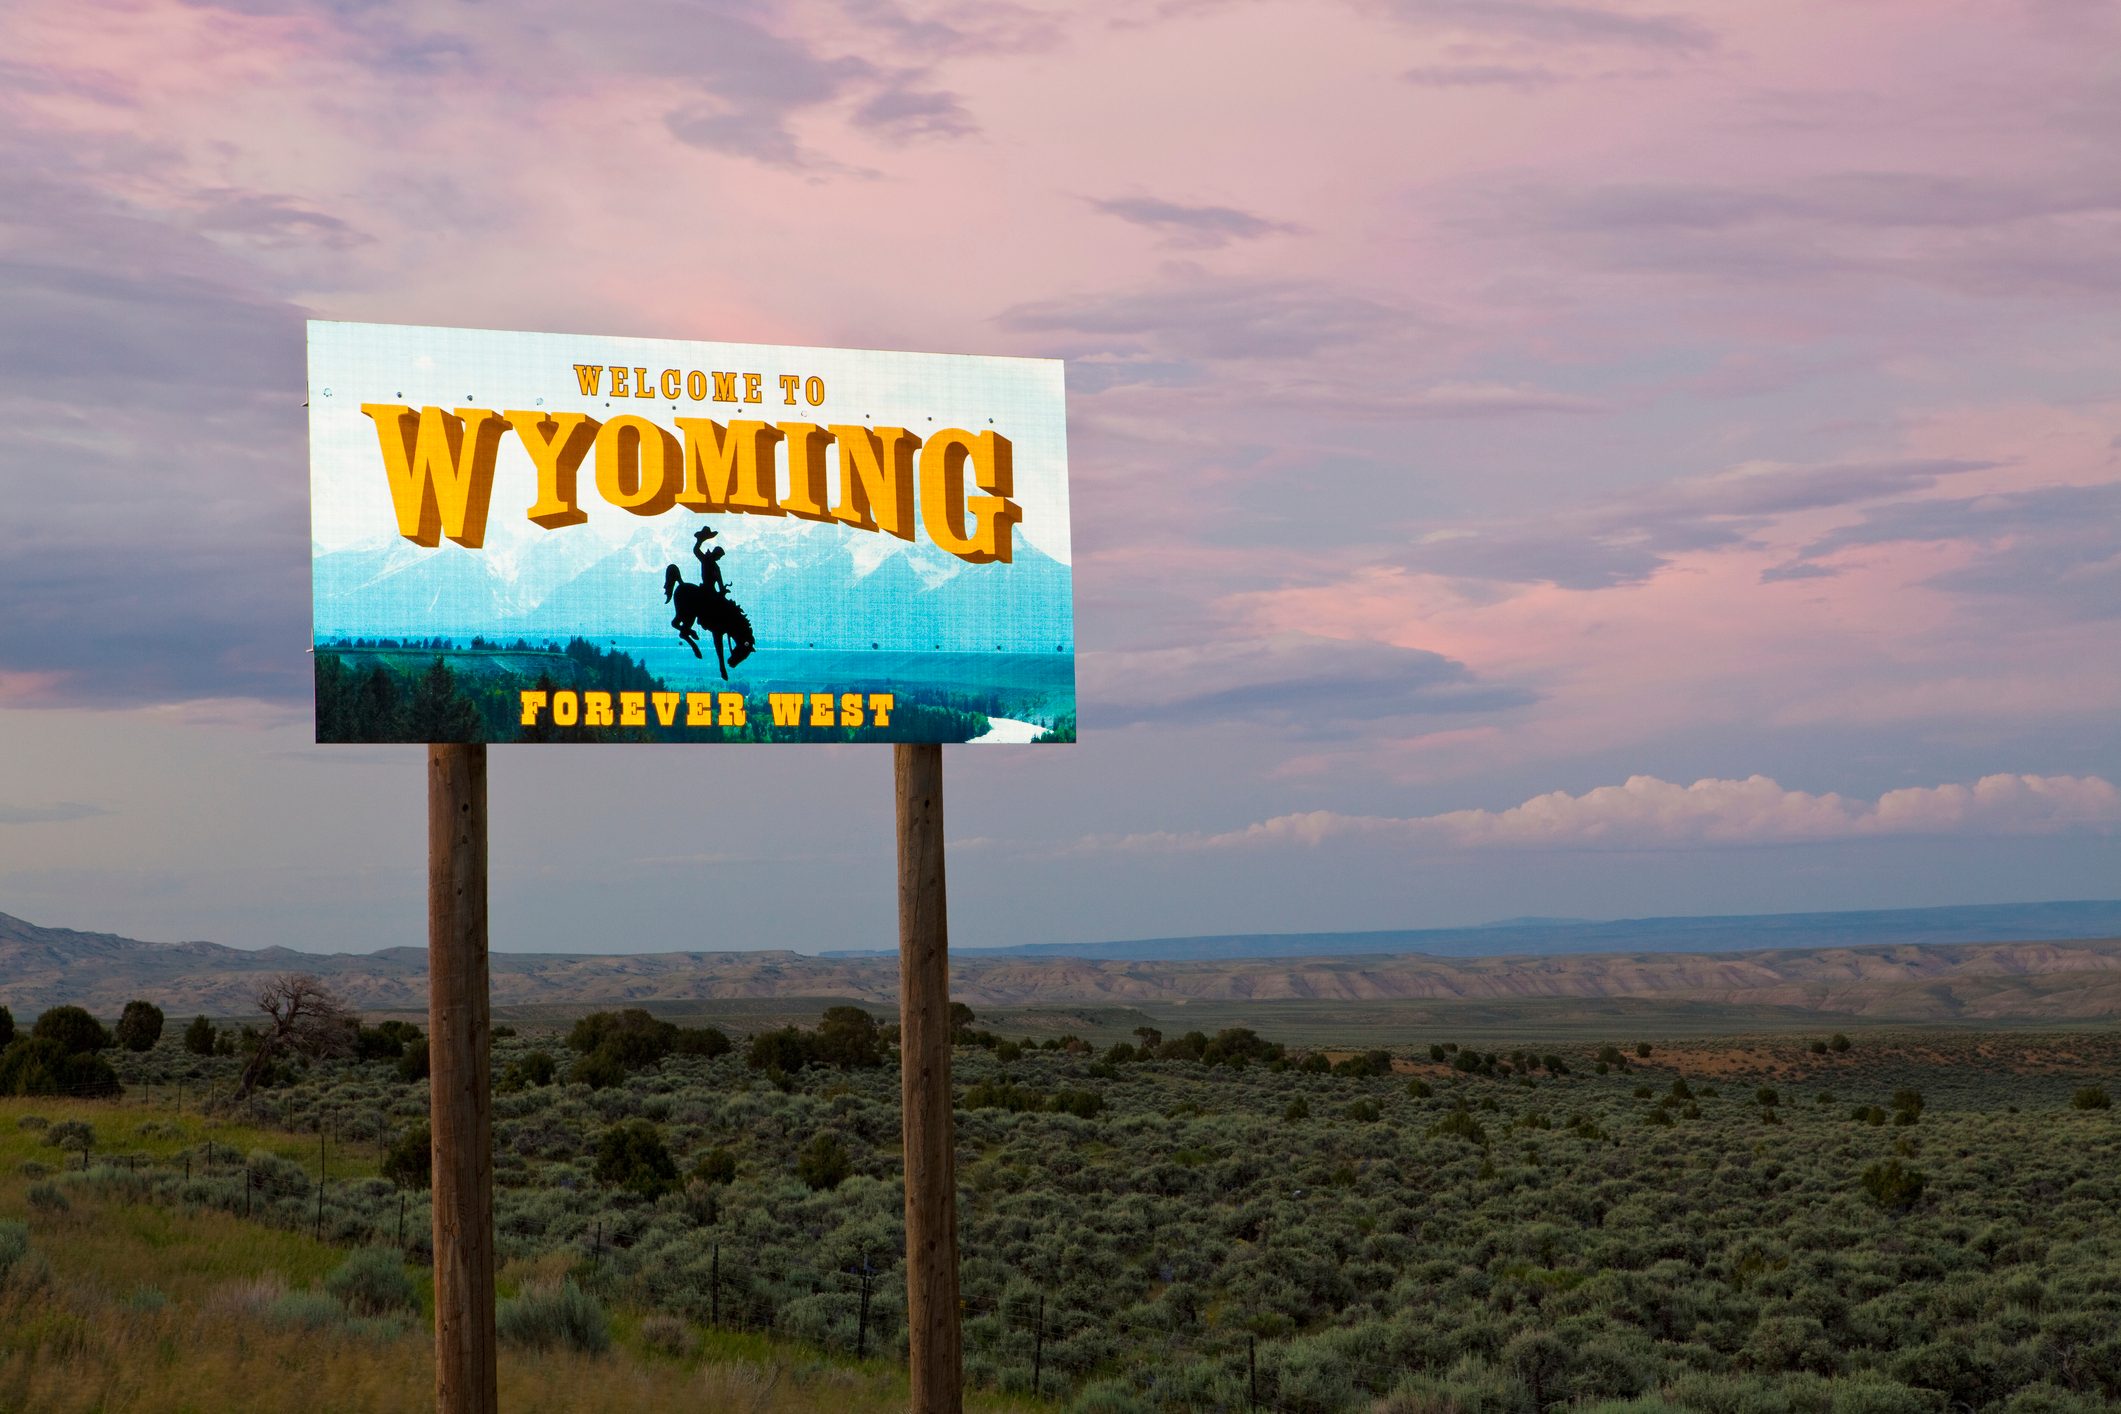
(707, 605)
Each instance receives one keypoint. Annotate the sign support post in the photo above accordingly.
(935, 1352)
(460, 1074)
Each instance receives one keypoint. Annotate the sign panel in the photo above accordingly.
(560, 538)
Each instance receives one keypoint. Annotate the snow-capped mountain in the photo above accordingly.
(800, 582)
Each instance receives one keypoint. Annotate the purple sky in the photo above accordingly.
(1564, 458)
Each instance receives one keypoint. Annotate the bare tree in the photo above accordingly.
(303, 1016)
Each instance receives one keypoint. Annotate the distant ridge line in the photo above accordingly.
(2050, 921)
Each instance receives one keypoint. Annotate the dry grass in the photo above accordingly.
(127, 1308)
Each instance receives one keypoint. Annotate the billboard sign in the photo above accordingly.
(562, 538)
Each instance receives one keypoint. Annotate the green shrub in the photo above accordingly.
(1459, 1124)
(140, 1026)
(412, 1065)
(824, 1163)
(305, 1310)
(1870, 1394)
(715, 1166)
(563, 1317)
(199, 1037)
(14, 1245)
(1838, 1044)
(1893, 1186)
(75, 1134)
(72, 1029)
(372, 1282)
(2092, 1097)
(599, 1070)
(1299, 1108)
(1419, 1089)
(409, 1162)
(1363, 1112)
(632, 1156)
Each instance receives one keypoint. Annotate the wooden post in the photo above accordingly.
(935, 1353)
(459, 1073)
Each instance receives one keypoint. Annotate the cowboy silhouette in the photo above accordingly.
(707, 605)
(710, 562)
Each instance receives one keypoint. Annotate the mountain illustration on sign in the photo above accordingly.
(707, 605)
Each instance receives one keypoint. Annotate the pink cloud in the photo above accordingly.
(1646, 813)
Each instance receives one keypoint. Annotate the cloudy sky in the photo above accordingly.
(1529, 457)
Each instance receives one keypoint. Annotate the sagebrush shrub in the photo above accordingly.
(373, 1282)
(546, 1317)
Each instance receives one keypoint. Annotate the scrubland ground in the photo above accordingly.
(1925, 1221)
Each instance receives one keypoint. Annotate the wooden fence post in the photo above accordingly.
(935, 1352)
(459, 1073)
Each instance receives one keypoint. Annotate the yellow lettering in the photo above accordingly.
(666, 707)
(673, 383)
(566, 707)
(699, 709)
(635, 461)
(557, 442)
(814, 391)
(728, 468)
(642, 388)
(876, 478)
(632, 709)
(596, 709)
(696, 385)
(806, 470)
(725, 387)
(751, 387)
(944, 503)
(789, 383)
(850, 709)
(787, 708)
(880, 705)
(732, 709)
(588, 375)
(533, 703)
(820, 709)
(618, 382)
(441, 479)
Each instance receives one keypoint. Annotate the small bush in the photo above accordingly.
(824, 1163)
(559, 1317)
(715, 1166)
(46, 1198)
(1893, 1186)
(2092, 1097)
(14, 1245)
(74, 1134)
(1459, 1124)
(305, 1311)
(632, 1156)
(373, 1282)
(1419, 1089)
(668, 1335)
(409, 1162)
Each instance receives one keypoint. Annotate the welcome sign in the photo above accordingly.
(560, 538)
